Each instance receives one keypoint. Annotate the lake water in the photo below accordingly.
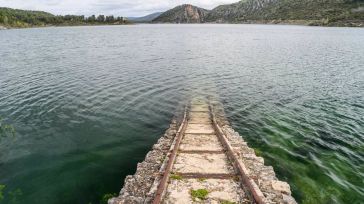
(88, 103)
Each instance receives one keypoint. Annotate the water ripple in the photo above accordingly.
(89, 101)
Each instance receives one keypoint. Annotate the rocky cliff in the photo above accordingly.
(183, 14)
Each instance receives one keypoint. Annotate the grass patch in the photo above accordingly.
(200, 194)
(201, 179)
(175, 177)
(258, 152)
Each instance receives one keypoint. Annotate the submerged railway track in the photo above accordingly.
(204, 164)
(202, 160)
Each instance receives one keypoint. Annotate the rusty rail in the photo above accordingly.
(171, 159)
(239, 167)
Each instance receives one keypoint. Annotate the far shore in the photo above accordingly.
(317, 23)
(2, 27)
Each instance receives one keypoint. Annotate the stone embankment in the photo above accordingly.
(203, 160)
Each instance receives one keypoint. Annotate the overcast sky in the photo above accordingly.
(108, 7)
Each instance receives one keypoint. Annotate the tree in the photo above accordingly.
(91, 19)
(110, 19)
(101, 18)
(120, 19)
(5, 20)
(24, 18)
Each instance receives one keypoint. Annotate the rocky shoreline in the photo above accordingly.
(311, 23)
(319, 23)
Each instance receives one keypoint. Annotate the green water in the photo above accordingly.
(88, 103)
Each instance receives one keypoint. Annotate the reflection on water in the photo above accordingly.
(89, 102)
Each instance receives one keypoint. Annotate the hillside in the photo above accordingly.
(146, 18)
(16, 18)
(183, 14)
(320, 12)
(21, 18)
(246, 9)
(309, 12)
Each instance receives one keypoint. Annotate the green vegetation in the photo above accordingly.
(176, 177)
(12, 196)
(200, 194)
(258, 152)
(6, 130)
(1, 192)
(310, 12)
(201, 179)
(326, 12)
(21, 19)
(106, 197)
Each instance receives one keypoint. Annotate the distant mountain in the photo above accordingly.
(183, 14)
(146, 18)
(310, 12)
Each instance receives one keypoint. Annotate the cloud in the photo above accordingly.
(108, 7)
